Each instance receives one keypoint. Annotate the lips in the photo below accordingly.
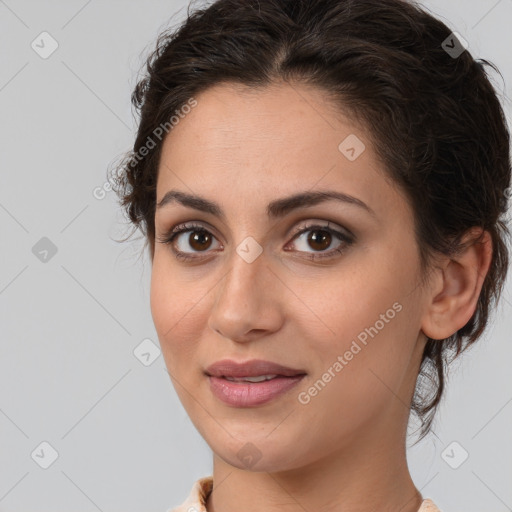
(254, 368)
(253, 383)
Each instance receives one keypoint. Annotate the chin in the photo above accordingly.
(258, 454)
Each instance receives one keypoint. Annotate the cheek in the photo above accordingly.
(367, 318)
(175, 306)
(162, 300)
(339, 306)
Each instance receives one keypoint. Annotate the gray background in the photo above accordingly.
(70, 325)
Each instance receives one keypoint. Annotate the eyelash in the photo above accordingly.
(169, 237)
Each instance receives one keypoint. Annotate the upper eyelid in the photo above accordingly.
(299, 229)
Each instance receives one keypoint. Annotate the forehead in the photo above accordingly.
(229, 114)
(240, 143)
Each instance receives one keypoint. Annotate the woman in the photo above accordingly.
(322, 185)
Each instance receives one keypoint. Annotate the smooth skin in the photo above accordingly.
(346, 448)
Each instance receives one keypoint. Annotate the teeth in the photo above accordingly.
(260, 378)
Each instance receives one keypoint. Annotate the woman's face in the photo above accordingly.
(348, 320)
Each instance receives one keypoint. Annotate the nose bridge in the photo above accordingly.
(243, 300)
(246, 274)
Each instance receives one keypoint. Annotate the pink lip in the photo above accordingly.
(250, 394)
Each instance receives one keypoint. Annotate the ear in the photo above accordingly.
(457, 287)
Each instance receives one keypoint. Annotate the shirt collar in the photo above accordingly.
(202, 488)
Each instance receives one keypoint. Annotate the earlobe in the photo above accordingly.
(460, 278)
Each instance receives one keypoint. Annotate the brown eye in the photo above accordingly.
(314, 246)
(319, 239)
(199, 240)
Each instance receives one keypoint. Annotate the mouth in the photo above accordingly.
(259, 378)
(252, 383)
(255, 370)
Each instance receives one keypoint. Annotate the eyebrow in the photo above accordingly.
(277, 208)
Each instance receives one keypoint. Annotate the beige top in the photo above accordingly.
(196, 501)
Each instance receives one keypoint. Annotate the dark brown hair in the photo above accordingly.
(434, 117)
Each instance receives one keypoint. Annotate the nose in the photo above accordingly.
(248, 300)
